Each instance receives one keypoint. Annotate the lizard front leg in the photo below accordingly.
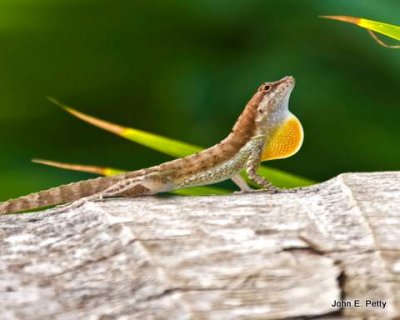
(251, 168)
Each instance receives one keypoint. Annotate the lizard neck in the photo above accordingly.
(245, 126)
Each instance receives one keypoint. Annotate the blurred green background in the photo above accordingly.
(185, 69)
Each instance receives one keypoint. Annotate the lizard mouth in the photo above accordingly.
(281, 87)
(288, 80)
(287, 83)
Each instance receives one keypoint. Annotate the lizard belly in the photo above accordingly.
(218, 173)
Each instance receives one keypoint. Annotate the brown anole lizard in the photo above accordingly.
(265, 130)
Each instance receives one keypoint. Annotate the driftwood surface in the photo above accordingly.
(241, 256)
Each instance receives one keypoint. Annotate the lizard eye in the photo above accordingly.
(267, 87)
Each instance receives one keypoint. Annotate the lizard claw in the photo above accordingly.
(273, 189)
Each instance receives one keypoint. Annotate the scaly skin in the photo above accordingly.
(265, 130)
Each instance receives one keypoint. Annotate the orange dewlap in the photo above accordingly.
(285, 142)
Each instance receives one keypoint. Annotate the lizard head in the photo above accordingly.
(283, 131)
(273, 106)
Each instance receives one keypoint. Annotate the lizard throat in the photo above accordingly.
(286, 140)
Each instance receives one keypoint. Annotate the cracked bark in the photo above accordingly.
(243, 256)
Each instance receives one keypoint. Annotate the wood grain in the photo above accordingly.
(242, 256)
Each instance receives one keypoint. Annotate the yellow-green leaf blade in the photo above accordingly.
(156, 142)
(103, 171)
(201, 191)
(159, 143)
(386, 29)
(283, 179)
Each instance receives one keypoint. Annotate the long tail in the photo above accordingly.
(58, 195)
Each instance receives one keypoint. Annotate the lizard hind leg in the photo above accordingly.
(129, 187)
(147, 184)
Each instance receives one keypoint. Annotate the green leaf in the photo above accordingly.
(156, 142)
(386, 29)
(283, 179)
(201, 191)
(103, 171)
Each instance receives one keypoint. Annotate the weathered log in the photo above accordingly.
(242, 256)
